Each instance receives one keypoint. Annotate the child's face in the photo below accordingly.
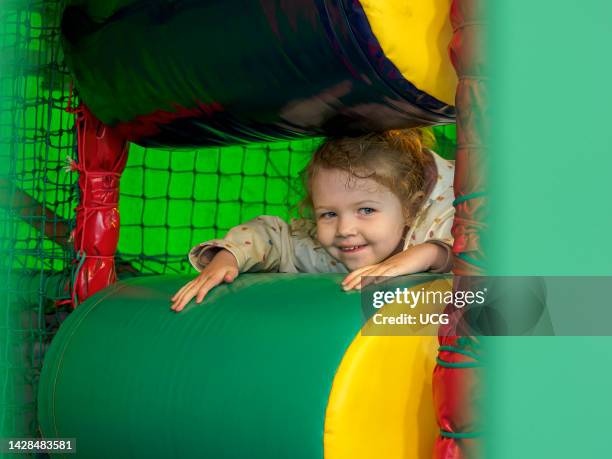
(359, 221)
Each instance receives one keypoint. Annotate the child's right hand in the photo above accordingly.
(222, 268)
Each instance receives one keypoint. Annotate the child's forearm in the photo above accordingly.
(440, 260)
(258, 245)
(427, 256)
(430, 256)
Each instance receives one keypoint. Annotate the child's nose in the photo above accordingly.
(346, 227)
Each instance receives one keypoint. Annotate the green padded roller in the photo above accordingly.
(246, 374)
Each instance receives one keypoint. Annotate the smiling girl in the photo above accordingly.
(378, 205)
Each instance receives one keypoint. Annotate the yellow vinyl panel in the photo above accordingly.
(381, 400)
(414, 35)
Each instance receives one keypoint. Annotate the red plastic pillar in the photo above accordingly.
(457, 383)
(102, 154)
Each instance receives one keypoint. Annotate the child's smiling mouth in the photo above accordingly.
(352, 248)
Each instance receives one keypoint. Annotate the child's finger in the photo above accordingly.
(353, 274)
(186, 296)
(229, 275)
(352, 283)
(369, 279)
(201, 290)
(188, 285)
(356, 281)
(362, 281)
(349, 278)
(176, 299)
(178, 305)
(211, 282)
(380, 275)
(180, 293)
(200, 287)
(189, 292)
(181, 290)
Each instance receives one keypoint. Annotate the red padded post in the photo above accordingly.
(102, 154)
(457, 382)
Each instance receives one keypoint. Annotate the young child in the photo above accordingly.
(380, 205)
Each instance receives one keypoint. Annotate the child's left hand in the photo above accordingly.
(416, 259)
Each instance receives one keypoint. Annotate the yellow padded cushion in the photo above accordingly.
(414, 35)
(381, 402)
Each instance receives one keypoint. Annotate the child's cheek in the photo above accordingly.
(323, 233)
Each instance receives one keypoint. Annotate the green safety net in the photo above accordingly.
(170, 200)
(37, 200)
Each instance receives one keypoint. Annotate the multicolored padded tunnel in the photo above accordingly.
(182, 74)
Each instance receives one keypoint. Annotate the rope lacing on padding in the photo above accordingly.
(467, 197)
(456, 202)
(462, 343)
(80, 260)
(459, 435)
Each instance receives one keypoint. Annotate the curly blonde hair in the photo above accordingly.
(396, 159)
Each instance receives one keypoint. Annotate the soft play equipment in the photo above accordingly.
(194, 72)
(270, 366)
(220, 72)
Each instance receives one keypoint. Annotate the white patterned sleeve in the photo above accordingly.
(261, 244)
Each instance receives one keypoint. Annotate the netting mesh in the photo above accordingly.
(170, 200)
(37, 201)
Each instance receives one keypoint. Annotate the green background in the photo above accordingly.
(551, 214)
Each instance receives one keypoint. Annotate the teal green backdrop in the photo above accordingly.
(551, 158)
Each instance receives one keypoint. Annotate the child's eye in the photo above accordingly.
(366, 211)
(327, 215)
